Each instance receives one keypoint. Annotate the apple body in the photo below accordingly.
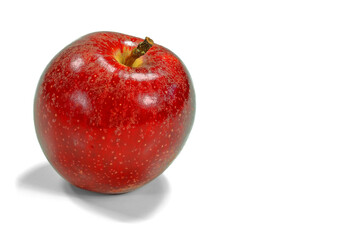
(107, 127)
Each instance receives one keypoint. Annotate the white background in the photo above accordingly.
(274, 151)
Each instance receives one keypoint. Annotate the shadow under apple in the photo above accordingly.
(133, 206)
(42, 178)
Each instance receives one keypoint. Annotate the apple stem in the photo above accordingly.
(140, 50)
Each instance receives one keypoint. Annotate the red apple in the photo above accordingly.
(112, 114)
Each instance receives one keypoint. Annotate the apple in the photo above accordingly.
(113, 111)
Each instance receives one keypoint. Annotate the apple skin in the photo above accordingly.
(107, 127)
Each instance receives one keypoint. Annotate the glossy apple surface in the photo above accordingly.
(107, 127)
